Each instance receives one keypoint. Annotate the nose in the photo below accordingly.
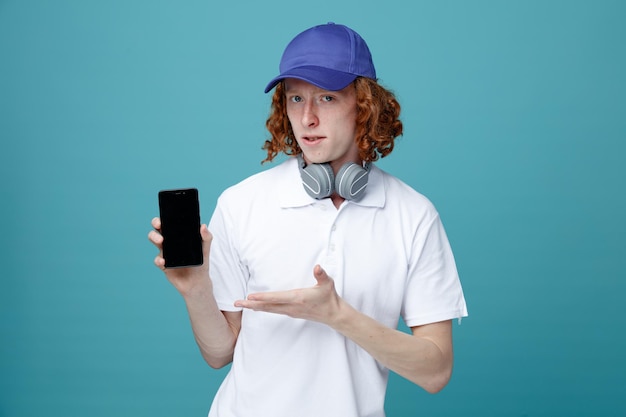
(309, 116)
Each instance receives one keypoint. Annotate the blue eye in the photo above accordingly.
(327, 98)
(296, 99)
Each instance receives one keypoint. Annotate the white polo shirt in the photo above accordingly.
(388, 255)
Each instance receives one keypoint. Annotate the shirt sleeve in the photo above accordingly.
(227, 273)
(434, 291)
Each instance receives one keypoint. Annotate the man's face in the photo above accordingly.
(324, 122)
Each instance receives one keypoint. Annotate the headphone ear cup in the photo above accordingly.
(318, 180)
(351, 181)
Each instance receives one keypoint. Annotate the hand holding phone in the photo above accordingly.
(180, 227)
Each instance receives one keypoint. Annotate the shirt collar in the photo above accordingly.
(295, 195)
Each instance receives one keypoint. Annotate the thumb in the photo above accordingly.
(207, 237)
(320, 275)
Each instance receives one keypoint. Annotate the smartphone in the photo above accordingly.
(180, 227)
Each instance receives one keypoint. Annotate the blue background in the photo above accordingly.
(515, 128)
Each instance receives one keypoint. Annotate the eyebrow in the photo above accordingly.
(317, 91)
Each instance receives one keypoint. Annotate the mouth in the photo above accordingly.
(310, 140)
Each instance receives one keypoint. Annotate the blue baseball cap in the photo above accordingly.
(329, 56)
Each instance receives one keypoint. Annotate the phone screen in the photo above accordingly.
(180, 227)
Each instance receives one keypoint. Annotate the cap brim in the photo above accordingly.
(325, 78)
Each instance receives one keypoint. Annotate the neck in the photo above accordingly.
(337, 200)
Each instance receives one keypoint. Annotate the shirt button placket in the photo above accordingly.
(330, 217)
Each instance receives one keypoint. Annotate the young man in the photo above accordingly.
(313, 262)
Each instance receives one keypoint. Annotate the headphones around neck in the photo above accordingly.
(320, 182)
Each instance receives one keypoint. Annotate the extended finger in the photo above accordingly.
(274, 297)
(276, 308)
